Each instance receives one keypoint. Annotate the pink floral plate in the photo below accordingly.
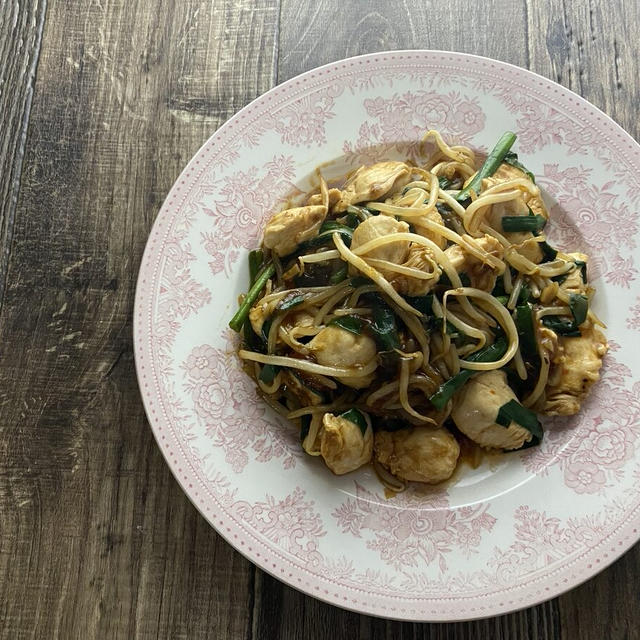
(504, 536)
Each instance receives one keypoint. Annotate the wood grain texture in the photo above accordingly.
(20, 43)
(96, 538)
(315, 33)
(587, 47)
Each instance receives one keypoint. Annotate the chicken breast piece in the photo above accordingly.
(373, 182)
(575, 369)
(334, 196)
(343, 445)
(421, 258)
(574, 282)
(287, 229)
(523, 241)
(433, 216)
(420, 454)
(475, 409)
(336, 347)
(534, 201)
(377, 227)
(482, 276)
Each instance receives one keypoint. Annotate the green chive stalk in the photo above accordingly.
(241, 314)
(490, 166)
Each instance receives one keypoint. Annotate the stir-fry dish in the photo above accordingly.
(409, 310)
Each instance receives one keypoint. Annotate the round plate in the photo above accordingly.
(522, 527)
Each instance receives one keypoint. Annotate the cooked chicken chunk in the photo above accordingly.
(336, 347)
(343, 445)
(548, 340)
(433, 216)
(522, 240)
(421, 454)
(475, 409)
(372, 182)
(574, 282)
(575, 368)
(378, 227)
(530, 249)
(482, 276)
(334, 196)
(534, 201)
(260, 313)
(421, 258)
(287, 229)
(299, 320)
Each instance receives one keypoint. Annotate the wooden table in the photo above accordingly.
(102, 103)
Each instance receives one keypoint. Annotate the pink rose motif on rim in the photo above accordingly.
(409, 115)
(399, 122)
(248, 212)
(413, 530)
(303, 122)
(202, 362)
(515, 99)
(432, 109)
(225, 401)
(469, 117)
(209, 400)
(539, 126)
(292, 523)
(598, 219)
(542, 540)
(584, 475)
(593, 448)
(622, 272)
(239, 205)
(413, 523)
(608, 447)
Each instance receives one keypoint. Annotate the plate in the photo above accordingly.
(504, 536)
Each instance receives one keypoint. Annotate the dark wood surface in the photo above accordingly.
(102, 102)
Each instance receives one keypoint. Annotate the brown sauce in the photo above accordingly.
(471, 454)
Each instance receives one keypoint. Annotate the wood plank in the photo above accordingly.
(585, 46)
(315, 33)
(96, 538)
(21, 27)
